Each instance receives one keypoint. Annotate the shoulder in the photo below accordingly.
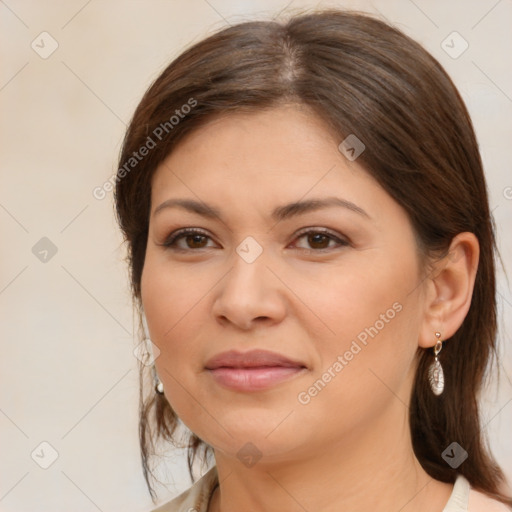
(466, 499)
(480, 502)
(196, 498)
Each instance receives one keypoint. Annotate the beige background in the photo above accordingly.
(67, 371)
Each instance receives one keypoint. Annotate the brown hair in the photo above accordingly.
(362, 77)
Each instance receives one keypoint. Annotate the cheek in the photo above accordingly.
(170, 298)
(175, 304)
(171, 303)
(365, 367)
(372, 321)
(353, 300)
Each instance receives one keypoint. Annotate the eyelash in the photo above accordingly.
(171, 240)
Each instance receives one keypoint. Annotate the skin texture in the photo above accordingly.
(349, 447)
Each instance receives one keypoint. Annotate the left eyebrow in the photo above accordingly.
(279, 214)
(300, 207)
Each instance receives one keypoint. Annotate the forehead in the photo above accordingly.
(267, 143)
(269, 136)
(262, 159)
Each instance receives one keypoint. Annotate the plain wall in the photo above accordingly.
(68, 375)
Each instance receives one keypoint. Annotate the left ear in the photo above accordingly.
(449, 289)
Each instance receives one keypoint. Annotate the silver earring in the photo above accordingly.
(159, 386)
(435, 371)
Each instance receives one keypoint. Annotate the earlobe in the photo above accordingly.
(450, 289)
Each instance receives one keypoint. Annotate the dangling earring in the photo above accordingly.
(159, 386)
(435, 371)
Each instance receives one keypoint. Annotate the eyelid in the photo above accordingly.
(175, 235)
(340, 239)
(316, 229)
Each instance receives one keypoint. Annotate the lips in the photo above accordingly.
(252, 371)
(252, 359)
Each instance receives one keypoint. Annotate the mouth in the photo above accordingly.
(252, 371)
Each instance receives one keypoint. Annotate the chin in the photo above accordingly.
(268, 438)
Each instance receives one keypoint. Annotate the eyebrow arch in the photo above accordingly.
(279, 214)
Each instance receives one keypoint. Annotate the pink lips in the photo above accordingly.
(252, 371)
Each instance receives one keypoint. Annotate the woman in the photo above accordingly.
(311, 247)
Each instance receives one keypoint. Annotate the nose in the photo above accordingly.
(249, 294)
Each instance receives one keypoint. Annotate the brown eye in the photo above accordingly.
(194, 239)
(319, 240)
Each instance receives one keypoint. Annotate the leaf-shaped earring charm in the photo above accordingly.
(435, 371)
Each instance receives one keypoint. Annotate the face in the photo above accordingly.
(330, 289)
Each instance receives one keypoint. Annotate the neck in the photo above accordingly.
(371, 469)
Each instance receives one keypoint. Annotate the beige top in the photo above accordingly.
(462, 499)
